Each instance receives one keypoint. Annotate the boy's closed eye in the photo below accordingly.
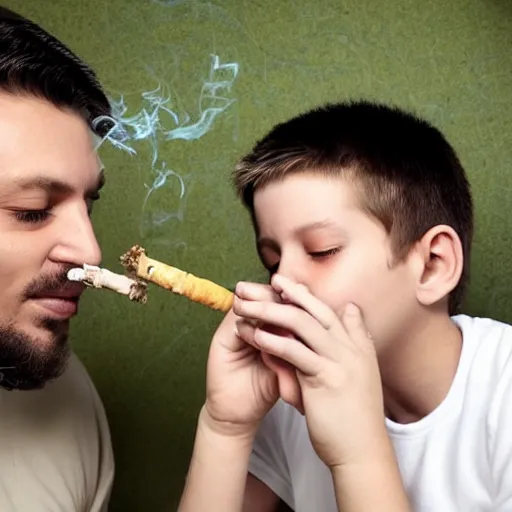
(325, 253)
(318, 256)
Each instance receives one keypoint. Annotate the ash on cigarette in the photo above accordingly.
(130, 259)
(139, 292)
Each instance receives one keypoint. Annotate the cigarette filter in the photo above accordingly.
(97, 277)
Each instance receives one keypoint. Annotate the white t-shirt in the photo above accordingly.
(55, 449)
(456, 459)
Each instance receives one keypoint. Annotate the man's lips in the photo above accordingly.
(71, 291)
(61, 308)
(61, 303)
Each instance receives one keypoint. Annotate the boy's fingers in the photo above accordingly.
(289, 387)
(288, 349)
(355, 326)
(283, 347)
(289, 317)
(300, 295)
(255, 291)
(226, 335)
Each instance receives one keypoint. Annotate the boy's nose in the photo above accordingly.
(289, 269)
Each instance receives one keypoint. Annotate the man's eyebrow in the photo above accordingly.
(55, 186)
(44, 183)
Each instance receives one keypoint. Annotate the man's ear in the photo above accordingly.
(440, 261)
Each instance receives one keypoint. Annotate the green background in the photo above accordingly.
(450, 61)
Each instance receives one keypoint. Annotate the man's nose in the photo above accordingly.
(77, 243)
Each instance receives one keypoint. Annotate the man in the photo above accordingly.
(55, 450)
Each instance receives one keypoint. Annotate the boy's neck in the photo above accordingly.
(418, 373)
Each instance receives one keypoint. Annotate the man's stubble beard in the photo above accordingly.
(28, 363)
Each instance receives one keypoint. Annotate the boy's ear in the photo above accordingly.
(440, 260)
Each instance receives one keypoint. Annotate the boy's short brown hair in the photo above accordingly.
(409, 176)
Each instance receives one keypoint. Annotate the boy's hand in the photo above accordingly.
(242, 384)
(336, 366)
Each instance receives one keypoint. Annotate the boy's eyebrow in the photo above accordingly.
(312, 226)
(301, 230)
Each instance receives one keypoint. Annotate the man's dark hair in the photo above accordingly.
(33, 62)
(408, 175)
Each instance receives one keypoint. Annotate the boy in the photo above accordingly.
(360, 211)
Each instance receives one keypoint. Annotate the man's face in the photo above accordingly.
(49, 176)
(311, 229)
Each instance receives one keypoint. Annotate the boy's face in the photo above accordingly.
(49, 175)
(312, 230)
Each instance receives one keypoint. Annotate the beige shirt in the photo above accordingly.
(55, 449)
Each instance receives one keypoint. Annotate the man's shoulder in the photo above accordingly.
(74, 384)
(67, 406)
(72, 395)
(51, 435)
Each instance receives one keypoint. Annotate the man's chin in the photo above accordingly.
(29, 361)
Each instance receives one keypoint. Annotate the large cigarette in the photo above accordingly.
(97, 277)
(176, 280)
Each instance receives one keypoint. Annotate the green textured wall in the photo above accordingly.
(451, 61)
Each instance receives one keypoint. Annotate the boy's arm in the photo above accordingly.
(217, 479)
(376, 485)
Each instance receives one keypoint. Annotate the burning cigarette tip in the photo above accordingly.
(130, 259)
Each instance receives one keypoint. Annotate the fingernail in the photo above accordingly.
(239, 288)
(277, 280)
(351, 309)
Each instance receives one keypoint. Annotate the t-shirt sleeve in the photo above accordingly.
(500, 440)
(268, 460)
